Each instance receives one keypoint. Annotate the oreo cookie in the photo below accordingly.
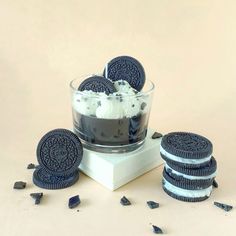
(184, 198)
(43, 179)
(190, 165)
(126, 68)
(184, 192)
(184, 183)
(97, 84)
(186, 149)
(190, 168)
(207, 171)
(59, 152)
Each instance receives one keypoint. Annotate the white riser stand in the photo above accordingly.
(115, 170)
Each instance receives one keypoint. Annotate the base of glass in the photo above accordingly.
(112, 149)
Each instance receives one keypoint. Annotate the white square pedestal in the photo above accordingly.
(115, 170)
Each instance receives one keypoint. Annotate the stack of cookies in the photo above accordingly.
(59, 154)
(190, 168)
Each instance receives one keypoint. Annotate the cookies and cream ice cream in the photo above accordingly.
(125, 102)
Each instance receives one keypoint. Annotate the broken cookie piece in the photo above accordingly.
(156, 135)
(37, 197)
(215, 184)
(74, 202)
(31, 166)
(152, 204)
(223, 206)
(19, 185)
(157, 230)
(125, 201)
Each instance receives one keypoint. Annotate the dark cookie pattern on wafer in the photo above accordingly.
(208, 169)
(195, 183)
(187, 145)
(184, 165)
(186, 183)
(45, 180)
(97, 84)
(59, 152)
(126, 68)
(185, 199)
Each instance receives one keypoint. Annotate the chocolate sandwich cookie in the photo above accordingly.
(186, 197)
(97, 84)
(207, 171)
(126, 68)
(184, 183)
(186, 149)
(179, 191)
(59, 152)
(43, 179)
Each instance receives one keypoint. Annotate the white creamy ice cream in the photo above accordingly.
(110, 108)
(123, 87)
(123, 103)
(84, 104)
(131, 106)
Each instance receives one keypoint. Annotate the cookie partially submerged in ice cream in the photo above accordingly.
(97, 84)
(126, 68)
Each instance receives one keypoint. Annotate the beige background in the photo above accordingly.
(187, 48)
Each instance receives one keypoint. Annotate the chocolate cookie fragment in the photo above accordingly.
(19, 185)
(156, 135)
(223, 206)
(124, 201)
(157, 230)
(74, 201)
(31, 166)
(37, 197)
(152, 204)
(215, 184)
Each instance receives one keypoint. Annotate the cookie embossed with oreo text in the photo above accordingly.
(43, 179)
(126, 68)
(59, 152)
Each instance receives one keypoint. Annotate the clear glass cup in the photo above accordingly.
(108, 123)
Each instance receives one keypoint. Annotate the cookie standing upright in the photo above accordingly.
(126, 68)
(59, 154)
(97, 84)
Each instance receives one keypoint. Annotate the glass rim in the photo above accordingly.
(139, 94)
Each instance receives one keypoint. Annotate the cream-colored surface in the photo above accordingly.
(188, 49)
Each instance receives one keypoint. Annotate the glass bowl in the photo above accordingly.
(113, 123)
